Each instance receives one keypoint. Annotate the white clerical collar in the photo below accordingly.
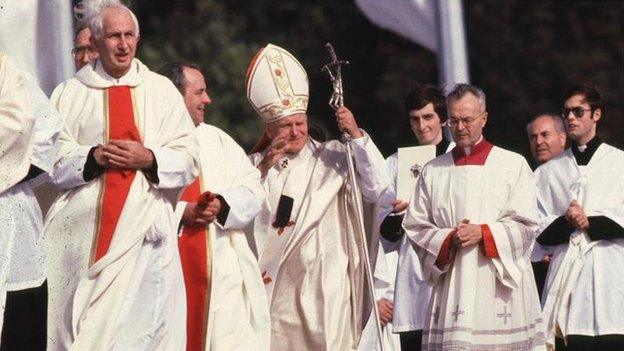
(468, 149)
(582, 148)
(130, 78)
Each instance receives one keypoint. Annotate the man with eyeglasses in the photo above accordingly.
(472, 221)
(83, 52)
(581, 198)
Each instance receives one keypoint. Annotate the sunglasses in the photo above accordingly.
(577, 111)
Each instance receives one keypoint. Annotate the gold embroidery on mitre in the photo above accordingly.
(275, 110)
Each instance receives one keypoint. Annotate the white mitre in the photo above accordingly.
(277, 84)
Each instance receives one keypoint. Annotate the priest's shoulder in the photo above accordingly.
(555, 162)
(68, 85)
(211, 132)
(507, 156)
(160, 81)
(441, 162)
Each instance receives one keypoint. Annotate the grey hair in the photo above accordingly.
(460, 90)
(557, 121)
(91, 12)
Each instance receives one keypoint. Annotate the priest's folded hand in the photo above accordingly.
(385, 308)
(398, 206)
(576, 216)
(198, 215)
(469, 234)
(127, 154)
(346, 123)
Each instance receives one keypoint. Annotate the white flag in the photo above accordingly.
(38, 35)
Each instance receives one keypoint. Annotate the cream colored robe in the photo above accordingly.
(17, 121)
(133, 297)
(314, 271)
(238, 312)
(477, 302)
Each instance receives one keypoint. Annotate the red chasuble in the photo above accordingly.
(194, 246)
(117, 182)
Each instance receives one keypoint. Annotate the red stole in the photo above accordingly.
(478, 154)
(194, 246)
(117, 182)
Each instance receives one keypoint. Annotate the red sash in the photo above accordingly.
(194, 246)
(116, 182)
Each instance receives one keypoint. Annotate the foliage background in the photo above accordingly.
(522, 53)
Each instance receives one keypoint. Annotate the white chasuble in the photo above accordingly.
(584, 286)
(237, 312)
(124, 291)
(312, 265)
(484, 296)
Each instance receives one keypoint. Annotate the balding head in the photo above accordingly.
(547, 137)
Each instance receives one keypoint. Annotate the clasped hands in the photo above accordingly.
(575, 215)
(195, 215)
(124, 154)
(466, 234)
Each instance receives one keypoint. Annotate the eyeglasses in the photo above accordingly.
(79, 52)
(466, 121)
(577, 112)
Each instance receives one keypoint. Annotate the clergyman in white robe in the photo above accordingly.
(17, 121)
(484, 296)
(227, 304)
(25, 279)
(584, 286)
(312, 268)
(131, 298)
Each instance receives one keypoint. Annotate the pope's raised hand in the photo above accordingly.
(274, 153)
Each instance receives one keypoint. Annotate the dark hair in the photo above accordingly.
(423, 94)
(175, 72)
(590, 94)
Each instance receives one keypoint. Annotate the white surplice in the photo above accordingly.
(133, 297)
(17, 121)
(584, 286)
(238, 312)
(313, 270)
(478, 302)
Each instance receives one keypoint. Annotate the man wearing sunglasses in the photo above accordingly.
(581, 197)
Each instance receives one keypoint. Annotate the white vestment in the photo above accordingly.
(132, 298)
(238, 312)
(313, 268)
(478, 302)
(584, 289)
(17, 122)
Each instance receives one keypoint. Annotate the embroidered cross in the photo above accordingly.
(505, 315)
(415, 169)
(457, 313)
(283, 163)
(436, 315)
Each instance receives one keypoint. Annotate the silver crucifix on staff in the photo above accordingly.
(334, 69)
(337, 101)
